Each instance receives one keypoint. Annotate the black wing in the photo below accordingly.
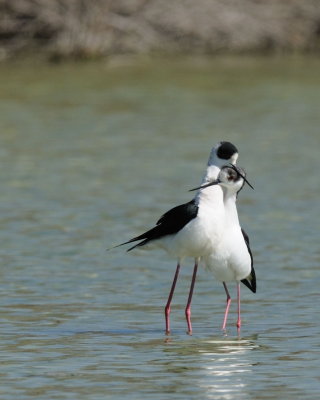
(250, 281)
(171, 222)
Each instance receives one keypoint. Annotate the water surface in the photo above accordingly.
(92, 154)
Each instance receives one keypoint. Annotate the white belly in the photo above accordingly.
(197, 238)
(230, 260)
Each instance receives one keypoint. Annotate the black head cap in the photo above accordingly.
(226, 150)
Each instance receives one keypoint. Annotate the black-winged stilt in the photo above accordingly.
(191, 229)
(231, 257)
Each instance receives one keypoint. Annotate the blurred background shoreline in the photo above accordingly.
(76, 29)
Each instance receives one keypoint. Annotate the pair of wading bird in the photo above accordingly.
(207, 228)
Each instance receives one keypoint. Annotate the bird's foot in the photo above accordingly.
(224, 332)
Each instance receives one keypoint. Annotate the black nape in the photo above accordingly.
(226, 150)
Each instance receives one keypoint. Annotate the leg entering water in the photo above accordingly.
(227, 307)
(168, 305)
(239, 317)
(188, 307)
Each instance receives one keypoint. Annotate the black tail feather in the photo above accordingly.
(145, 237)
(170, 223)
(250, 281)
(139, 244)
(135, 239)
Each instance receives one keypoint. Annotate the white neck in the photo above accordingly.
(211, 174)
(231, 212)
(212, 196)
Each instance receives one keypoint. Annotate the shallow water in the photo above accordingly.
(92, 154)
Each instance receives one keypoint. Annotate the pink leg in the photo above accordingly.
(168, 305)
(227, 307)
(239, 318)
(188, 307)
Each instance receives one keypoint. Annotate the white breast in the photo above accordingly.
(230, 260)
(200, 235)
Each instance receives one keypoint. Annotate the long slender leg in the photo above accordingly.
(168, 305)
(188, 307)
(239, 317)
(227, 307)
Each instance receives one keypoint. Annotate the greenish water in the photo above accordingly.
(92, 154)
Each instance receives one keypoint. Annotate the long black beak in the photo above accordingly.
(216, 182)
(242, 176)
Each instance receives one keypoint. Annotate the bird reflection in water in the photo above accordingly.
(217, 368)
